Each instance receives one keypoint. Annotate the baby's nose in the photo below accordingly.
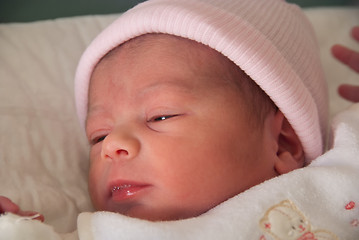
(120, 145)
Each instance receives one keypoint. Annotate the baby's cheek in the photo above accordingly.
(95, 153)
(95, 190)
(96, 180)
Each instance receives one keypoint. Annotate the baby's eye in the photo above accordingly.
(97, 139)
(162, 118)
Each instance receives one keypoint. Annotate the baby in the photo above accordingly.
(173, 135)
(189, 103)
(176, 120)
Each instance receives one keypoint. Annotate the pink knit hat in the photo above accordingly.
(271, 40)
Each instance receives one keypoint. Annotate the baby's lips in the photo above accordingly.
(33, 215)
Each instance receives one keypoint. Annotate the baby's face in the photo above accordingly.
(169, 132)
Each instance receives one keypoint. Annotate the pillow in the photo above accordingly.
(44, 152)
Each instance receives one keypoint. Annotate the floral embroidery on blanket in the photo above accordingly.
(285, 221)
(351, 206)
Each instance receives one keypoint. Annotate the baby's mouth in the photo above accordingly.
(125, 187)
(124, 191)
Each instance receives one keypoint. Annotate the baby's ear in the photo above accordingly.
(290, 154)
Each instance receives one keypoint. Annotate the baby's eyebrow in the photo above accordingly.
(177, 85)
(93, 110)
(170, 84)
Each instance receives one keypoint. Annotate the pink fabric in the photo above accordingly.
(271, 40)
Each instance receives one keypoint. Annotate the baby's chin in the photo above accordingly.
(155, 215)
(164, 216)
(154, 210)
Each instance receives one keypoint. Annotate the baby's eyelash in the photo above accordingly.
(97, 139)
(162, 118)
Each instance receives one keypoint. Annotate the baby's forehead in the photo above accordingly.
(194, 57)
(195, 53)
(185, 57)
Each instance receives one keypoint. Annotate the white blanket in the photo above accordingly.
(320, 201)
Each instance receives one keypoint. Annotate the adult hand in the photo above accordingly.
(350, 58)
(6, 205)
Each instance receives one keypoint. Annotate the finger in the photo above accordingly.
(346, 56)
(6, 205)
(39, 216)
(349, 92)
(355, 33)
